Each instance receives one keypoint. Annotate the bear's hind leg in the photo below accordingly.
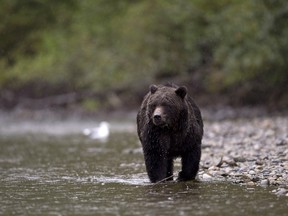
(190, 165)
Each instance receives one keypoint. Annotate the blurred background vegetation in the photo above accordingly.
(103, 54)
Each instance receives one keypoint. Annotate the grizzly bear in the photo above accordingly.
(169, 125)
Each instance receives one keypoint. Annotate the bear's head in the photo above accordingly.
(167, 107)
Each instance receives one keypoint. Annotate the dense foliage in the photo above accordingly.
(106, 51)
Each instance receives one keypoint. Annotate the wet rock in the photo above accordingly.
(276, 161)
(213, 168)
(252, 172)
(228, 170)
(259, 162)
(255, 179)
(257, 147)
(200, 173)
(239, 159)
(281, 142)
(207, 176)
(281, 192)
(250, 183)
(264, 182)
(231, 163)
(224, 174)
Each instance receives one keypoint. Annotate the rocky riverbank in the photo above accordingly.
(250, 151)
(248, 146)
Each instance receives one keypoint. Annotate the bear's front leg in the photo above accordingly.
(156, 166)
(190, 165)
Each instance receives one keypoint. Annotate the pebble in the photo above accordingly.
(252, 172)
(259, 162)
(281, 192)
(213, 168)
(264, 182)
(239, 159)
(251, 183)
(253, 151)
(206, 176)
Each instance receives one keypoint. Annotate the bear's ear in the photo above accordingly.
(181, 91)
(153, 88)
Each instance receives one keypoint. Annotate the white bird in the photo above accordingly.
(100, 133)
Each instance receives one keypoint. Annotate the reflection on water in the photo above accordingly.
(69, 175)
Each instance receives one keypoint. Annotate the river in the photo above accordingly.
(62, 173)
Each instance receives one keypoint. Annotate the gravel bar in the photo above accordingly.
(250, 151)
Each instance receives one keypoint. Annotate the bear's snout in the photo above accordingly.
(158, 118)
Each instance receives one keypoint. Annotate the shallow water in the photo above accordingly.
(73, 175)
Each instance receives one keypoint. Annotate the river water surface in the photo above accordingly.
(44, 174)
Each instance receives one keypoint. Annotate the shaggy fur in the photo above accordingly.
(169, 125)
